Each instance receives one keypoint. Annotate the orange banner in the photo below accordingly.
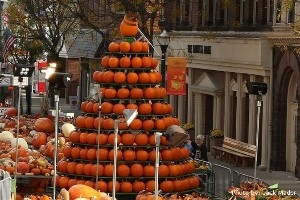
(176, 76)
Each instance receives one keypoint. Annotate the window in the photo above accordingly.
(199, 49)
(278, 12)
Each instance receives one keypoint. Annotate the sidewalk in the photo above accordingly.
(285, 180)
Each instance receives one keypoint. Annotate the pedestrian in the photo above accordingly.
(192, 146)
(200, 149)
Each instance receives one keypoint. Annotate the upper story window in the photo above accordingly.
(285, 13)
(200, 49)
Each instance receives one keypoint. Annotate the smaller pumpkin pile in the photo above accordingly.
(33, 197)
(82, 192)
(144, 195)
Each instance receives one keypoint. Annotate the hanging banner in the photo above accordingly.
(176, 76)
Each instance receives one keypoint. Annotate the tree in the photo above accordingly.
(105, 16)
(40, 23)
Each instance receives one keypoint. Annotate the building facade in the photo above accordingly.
(229, 43)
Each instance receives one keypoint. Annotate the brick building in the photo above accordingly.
(228, 45)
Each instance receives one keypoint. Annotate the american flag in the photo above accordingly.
(8, 43)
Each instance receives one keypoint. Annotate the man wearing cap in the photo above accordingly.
(201, 149)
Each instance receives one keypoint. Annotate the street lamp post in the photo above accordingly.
(164, 41)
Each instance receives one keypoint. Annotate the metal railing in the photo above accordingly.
(5, 185)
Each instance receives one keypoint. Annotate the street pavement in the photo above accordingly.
(286, 180)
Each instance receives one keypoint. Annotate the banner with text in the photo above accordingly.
(176, 76)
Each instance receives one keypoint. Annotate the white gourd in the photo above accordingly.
(6, 136)
(21, 142)
(67, 128)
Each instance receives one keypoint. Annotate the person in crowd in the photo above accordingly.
(192, 146)
(200, 149)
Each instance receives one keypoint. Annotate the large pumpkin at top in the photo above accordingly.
(44, 125)
(83, 191)
(129, 26)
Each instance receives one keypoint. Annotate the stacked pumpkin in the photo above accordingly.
(127, 79)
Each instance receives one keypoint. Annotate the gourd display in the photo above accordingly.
(127, 79)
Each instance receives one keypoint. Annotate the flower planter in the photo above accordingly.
(215, 141)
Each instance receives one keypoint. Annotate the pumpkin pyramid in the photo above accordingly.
(127, 79)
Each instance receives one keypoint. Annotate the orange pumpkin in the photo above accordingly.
(137, 170)
(128, 30)
(123, 93)
(89, 107)
(125, 47)
(108, 76)
(127, 139)
(23, 167)
(167, 155)
(126, 187)
(118, 108)
(149, 93)
(141, 155)
(95, 168)
(95, 74)
(89, 122)
(150, 185)
(136, 124)
(39, 139)
(101, 185)
(136, 46)
(119, 77)
(100, 77)
(141, 139)
(138, 186)
(129, 155)
(123, 170)
(114, 47)
(106, 108)
(11, 112)
(125, 62)
(103, 154)
(163, 170)
(104, 61)
(145, 109)
(148, 124)
(110, 186)
(83, 191)
(132, 78)
(143, 77)
(111, 154)
(146, 62)
(113, 62)
(44, 125)
(166, 186)
(136, 93)
(80, 121)
(136, 62)
(145, 47)
(149, 170)
(108, 170)
(110, 93)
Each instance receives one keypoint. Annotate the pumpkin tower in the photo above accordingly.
(128, 79)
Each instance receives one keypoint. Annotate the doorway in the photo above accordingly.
(291, 126)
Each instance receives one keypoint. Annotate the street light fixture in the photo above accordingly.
(57, 81)
(259, 89)
(164, 41)
(129, 115)
(20, 72)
